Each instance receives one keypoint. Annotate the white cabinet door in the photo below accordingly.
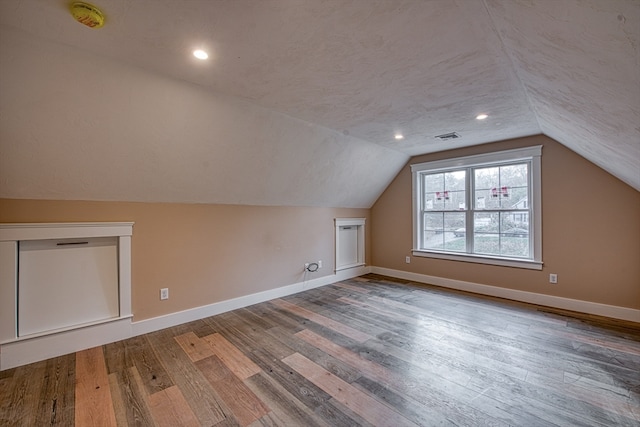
(347, 247)
(66, 283)
(349, 243)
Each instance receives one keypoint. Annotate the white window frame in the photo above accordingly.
(527, 154)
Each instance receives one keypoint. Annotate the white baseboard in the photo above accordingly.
(612, 311)
(24, 351)
(180, 317)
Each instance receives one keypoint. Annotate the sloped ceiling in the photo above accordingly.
(306, 95)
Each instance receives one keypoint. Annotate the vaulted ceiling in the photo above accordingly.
(300, 100)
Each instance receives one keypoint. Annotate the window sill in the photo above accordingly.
(481, 259)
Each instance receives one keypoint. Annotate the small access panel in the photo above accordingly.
(349, 243)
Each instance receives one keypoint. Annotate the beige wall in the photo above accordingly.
(591, 231)
(204, 253)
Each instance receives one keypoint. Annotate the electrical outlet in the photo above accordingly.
(320, 264)
(164, 293)
(407, 260)
(553, 278)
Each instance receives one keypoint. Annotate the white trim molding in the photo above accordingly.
(63, 230)
(23, 352)
(161, 322)
(480, 259)
(587, 307)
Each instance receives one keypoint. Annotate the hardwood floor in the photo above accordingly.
(371, 351)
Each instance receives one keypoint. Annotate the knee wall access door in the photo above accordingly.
(349, 243)
(66, 282)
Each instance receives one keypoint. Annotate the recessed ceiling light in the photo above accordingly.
(200, 54)
(399, 136)
(481, 116)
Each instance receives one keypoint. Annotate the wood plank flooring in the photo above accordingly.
(370, 351)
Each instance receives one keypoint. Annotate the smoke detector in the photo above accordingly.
(447, 136)
(87, 14)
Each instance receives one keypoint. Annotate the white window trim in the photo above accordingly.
(532, 154)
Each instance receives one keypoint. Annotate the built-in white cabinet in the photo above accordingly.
(63, 287)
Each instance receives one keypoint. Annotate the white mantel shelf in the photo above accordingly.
(18, 350)
(63, 230)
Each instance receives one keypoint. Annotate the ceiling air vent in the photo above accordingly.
(447, 136)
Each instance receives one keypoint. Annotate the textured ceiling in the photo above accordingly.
(370, 68)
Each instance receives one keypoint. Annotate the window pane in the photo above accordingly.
(501, 187)
(514, 234)
(433, 232)
(444, 191)
(515, 179)
(486, 222)
(455, 180)
(515, 222)
(496, 234)
(454, 226)
(486, 244)
(444, 231)
(486, 227)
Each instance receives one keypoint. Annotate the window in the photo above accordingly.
(483, 208)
